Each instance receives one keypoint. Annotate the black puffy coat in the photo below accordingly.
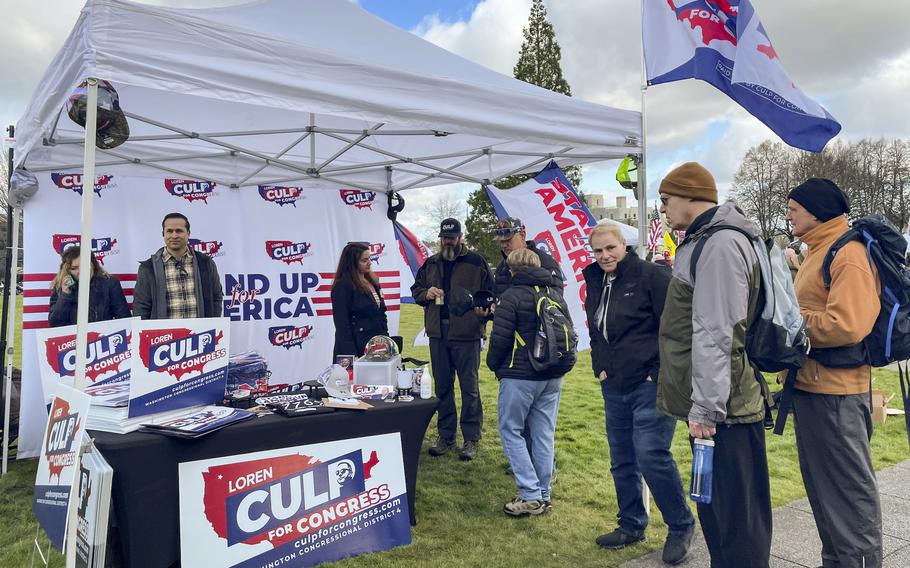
(515, 312)
(105, 302)
(636, 302)
(357, 318)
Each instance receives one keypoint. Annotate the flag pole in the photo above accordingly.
(642, 166)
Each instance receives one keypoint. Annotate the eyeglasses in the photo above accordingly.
(664, 200)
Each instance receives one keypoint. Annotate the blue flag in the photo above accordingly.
(723, 42)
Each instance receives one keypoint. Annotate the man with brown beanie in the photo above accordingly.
(705, 375)
(831, 402)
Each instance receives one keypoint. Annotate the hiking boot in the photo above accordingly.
(618, 539)
(441, 447)
(519, 507)
(469, 451)
(677, 547)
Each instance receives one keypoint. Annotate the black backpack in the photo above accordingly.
(776, 339)
(554, 348)
(889, 340)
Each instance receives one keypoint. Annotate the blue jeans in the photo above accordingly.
(640, 441)
(531, 404)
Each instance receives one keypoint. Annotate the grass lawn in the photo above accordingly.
(459, 504)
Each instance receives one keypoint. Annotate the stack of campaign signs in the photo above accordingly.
(92, 491)
(204, 421)
(140, 372)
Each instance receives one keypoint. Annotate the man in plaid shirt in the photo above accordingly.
(176, 282)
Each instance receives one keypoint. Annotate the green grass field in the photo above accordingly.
(460, 522)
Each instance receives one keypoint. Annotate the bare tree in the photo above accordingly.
(444, 208)
(761, 184)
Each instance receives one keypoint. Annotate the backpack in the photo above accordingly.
(889, 340)
(776, 338)
(554, 348)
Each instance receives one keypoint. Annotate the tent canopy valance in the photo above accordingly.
(277, 91)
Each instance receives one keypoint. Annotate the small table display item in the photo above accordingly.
(299, 404)
(200, 423)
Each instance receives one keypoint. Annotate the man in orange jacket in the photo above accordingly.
(831, 401)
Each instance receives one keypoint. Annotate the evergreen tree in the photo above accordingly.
(538, 64)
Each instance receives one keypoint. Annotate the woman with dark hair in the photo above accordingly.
(358, 308)
(105, 302)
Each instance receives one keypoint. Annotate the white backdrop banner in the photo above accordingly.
(559, 222)
(276, 248)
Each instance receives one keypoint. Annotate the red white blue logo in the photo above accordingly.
(179, 351)
(280, 194)
(73, 182)
(210, 248)
(288, 251)
(288, 336)
(357, 198)
(377, 250)
(546, 243)
(102, 246)
(189, 189)
(61, 435)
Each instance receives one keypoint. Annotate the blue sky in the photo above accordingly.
(407, 14)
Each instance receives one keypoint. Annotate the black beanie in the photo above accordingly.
(821, 197)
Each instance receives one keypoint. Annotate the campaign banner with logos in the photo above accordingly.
(297, 506)
(59, 460)
(559, 222)
(276, 248)
(107, 356)
(178, 363)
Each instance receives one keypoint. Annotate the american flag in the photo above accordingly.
(655, 230)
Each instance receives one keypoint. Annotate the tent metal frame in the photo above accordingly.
(422, 166)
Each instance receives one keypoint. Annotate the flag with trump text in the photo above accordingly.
(723, 42)
(559, 222)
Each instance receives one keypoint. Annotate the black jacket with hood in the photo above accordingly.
(515, 312)
(628, 352)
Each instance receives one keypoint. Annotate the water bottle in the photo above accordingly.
(702, 471)
(426, 390)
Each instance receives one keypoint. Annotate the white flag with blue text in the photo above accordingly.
(723, 42)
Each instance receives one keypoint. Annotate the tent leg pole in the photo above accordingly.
(11, 334)
(643, 166)
(85, 256)
(6, 391)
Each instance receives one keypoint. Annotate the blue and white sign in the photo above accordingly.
(178, 363)
(296, 506)
(59, 461)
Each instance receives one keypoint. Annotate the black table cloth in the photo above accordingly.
(144, 493)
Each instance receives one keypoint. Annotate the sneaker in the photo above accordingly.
(469, 451)
(441, 447)
(519, 507)
(677, 547)
(618, 539)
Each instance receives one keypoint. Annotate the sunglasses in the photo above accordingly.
(504, 233)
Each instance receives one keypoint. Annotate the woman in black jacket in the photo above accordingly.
(105, 302)
(624, 303)
(528, 400)
(358, 308)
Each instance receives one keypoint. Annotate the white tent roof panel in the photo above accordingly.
(238, 94)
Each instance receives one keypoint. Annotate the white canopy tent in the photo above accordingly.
(276, 91)
(280, 90)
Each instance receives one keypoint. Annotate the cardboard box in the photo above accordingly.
(879, 406)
